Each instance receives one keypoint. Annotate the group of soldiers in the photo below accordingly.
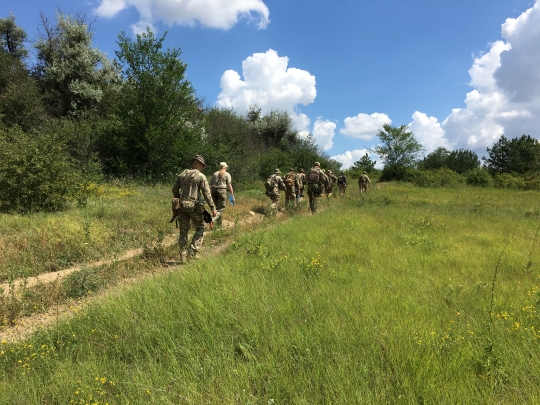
(191, 190)
(317, 181)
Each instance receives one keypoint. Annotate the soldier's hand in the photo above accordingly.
(214, 213)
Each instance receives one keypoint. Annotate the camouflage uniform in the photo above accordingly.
(316, 182)
(342, 183)
(192, 185)
(290, 191)
(220, 183)
(332, 180)
(363, 182)
(278, 185)
(301, 177)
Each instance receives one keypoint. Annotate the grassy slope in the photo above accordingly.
(380, 300)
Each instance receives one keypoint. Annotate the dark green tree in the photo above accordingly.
(159, 120)
(12, 38)
(436, 159)
(518, 155)
(365, 164)
(461, 161)
(399, 151)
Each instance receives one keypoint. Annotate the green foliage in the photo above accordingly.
(158, 127)
(436, 159)
(12, 38)
(461, 161)
(73, 74)
(518, 155)
(20, 98)
(436, 178)
(36, 172)
(399, 151)
(478, 178)
(506, 180)
(364, 164)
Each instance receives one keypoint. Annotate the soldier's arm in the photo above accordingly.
(280, 183)
(206, 194)
(176, 187)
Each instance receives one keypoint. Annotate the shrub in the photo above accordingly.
(478, 178)
(36, 172)
(505, 180)
(435, 178)
(532, 181)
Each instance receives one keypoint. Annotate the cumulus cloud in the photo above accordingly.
(428, 131)
(222, 14)
(270, 84)
(506, 95)
(364, 126)
(348, 158)
(323, 133)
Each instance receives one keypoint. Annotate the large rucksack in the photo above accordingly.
(270, 183)
(290, 180)
(313, 176)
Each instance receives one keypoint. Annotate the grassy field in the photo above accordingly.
(405, 296)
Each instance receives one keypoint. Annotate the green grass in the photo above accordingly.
(374, 300)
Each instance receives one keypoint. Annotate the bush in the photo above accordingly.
(436, 178)
(478, 178)
(532, 181)
(36, 172)
(505, 180)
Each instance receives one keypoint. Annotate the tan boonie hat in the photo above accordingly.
(198, 158)
(277, 171)
(301, 170)
(330, 171)
(364, 172)
(223, 165)
(316, 164)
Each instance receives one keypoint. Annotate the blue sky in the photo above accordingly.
(460, 73)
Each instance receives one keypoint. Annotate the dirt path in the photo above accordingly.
(25, 326)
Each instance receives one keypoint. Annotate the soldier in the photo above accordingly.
(301, 177)
(342, 183)
(332, 180)
(316, 182)
(190, 188)
(291, 185)
(273, 184)
(327, 185)
(363, 182)
(220, 183)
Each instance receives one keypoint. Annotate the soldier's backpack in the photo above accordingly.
(313, 176)
(289, 180)
(270, 184)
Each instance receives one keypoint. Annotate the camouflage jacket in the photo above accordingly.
(301, 177)
(364, 179)
(192, 184)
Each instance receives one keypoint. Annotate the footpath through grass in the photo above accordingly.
(407, 296)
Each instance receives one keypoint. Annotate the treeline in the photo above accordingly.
(70, 117)
(510, 163)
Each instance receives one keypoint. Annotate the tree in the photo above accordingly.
(159, 125)
(436, 159)
(365, 164)
(399, 151)
(462, 161)
(74, 75)
(519, 155)
(12, 38)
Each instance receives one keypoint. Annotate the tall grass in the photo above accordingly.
(383, 299)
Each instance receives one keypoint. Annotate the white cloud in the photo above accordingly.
(222, 14)
(323, 133)
(364, 126)
(428, 131)
(506, 95)
(269, 84)
(348, 158)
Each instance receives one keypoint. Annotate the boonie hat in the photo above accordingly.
(277, 171)
(198, 158)
(330, 171)
(301, 170)
(316, 164)
(224, 165)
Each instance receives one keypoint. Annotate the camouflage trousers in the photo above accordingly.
(275, 201)
(342, 189)
(362, 187)
(290, 196)
(219, 196)
(313, 194)
(198, 237)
